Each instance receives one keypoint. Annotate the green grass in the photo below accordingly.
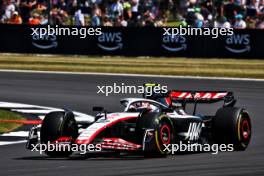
(173, 24)
(7, 115)
(250, 68)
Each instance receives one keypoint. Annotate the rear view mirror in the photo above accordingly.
(99, 109)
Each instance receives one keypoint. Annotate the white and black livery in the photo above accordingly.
(147, 124)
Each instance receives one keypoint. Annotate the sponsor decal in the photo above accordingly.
(119, 144)
(198, 95)
(110, 41)
(174, 43)
(88, 134)
(44, 42)
(238, 43)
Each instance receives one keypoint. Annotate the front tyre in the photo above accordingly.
(164, 135)
(160, 130)
(55, 125)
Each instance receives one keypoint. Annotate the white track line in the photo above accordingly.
(135, 75)
(12, 142)
(19, 107)
(16, 134)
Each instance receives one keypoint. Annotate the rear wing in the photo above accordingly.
(200, 96)
(189, 96)
(176, 98)
(186, 96)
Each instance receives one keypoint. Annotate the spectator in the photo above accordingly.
(199, 22)
(127, 14)
(96, 19)
(222, 22)
(261, 8)
(134, 10)
(240, 23)
(44, 20)
(25, 9)
(198, 13)
(34, 20)
(121, 22)
(116, 9)
(41, 7)
(261, 25)
(15, 19)
(61, 4)
(204, 11)
(79, 18)
(230, 10)
(58, 16)
(72, 7)
(107, 22)
(9, 10)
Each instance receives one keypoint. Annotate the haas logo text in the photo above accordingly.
(194, 131)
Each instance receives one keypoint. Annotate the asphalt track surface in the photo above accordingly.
(78, 92)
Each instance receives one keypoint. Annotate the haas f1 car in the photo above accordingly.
(147, 125)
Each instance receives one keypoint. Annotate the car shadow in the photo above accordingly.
(103, 156)
(90, 156)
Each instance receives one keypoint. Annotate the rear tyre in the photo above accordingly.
(232, 126)
(163, 133)
(56, 125)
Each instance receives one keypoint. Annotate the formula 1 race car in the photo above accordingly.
(148, 124)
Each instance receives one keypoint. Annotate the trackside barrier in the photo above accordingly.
(146, 41)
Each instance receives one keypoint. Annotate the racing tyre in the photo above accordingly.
(55, 125)
(232, 126)
(162, 133)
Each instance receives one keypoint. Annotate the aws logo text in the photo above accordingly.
(174, 43)
(238, 43)
(45, 41)
(110, 41)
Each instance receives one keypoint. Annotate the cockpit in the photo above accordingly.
(137, 105)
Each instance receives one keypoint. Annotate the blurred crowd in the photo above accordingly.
(196, 13)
